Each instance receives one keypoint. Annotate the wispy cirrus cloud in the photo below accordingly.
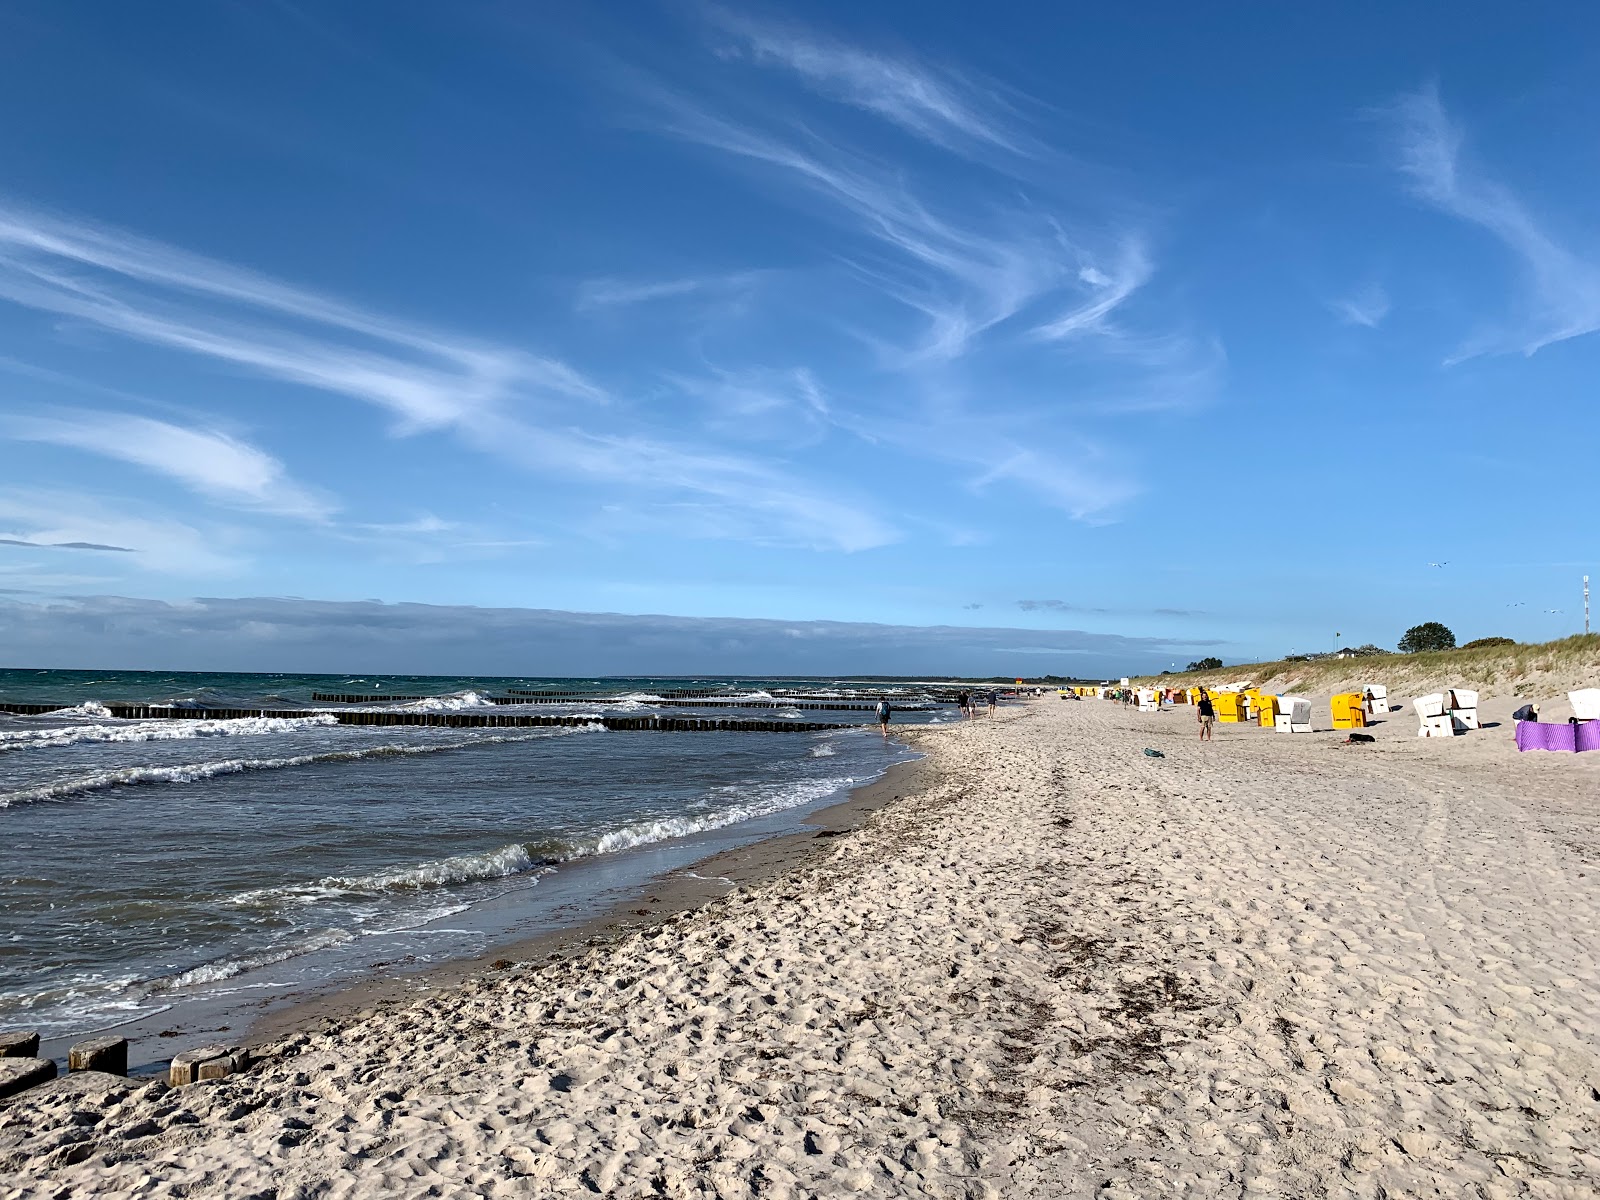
(964, 272)
(211, 463)
(759, 404)
(529, 409)
(1109, 286)
(934, 103)
(160, 294)
(1367, 307)
(1068, 606)
(1562, 287)
(621, 293)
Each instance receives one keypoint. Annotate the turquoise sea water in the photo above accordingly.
(144, 863)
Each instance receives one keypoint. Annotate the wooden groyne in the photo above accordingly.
(582, 698)
(366, 698)
(450, 720)
(818, 705)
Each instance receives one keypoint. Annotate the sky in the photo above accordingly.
(1037, 338)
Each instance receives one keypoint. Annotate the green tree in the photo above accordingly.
(1206, 664)
(1430, 635)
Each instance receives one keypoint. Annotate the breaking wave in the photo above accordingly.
(157, 731)
(520, 858)
(99, 781)
(214, 972)
(453, 703)
(89, 708)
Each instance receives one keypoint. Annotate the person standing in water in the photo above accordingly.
(1207, 715)
(884, 712)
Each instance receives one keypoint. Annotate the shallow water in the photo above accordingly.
(145, 862)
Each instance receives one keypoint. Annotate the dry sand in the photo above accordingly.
(1271, 966)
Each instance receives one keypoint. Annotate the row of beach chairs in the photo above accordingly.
(1439, 714)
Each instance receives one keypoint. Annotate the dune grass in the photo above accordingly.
(1521, 669)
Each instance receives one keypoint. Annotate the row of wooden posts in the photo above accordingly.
(561, 698)
(453, 720)
(21, 1067)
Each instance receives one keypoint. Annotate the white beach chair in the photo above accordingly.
(1434, 720)
(1463, 707)
(1294, 715)
(1149, 700)
(1379, 694)
(1585, 704)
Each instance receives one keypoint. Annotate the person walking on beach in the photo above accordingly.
(1207, 715)
(994, 701)
(883, 716)
(964, 702)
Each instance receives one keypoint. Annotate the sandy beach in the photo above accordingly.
(1055, 967)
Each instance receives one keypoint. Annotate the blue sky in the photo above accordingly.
(1207, 332)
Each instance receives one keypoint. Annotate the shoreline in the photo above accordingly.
(648, 905)
(1058, 967)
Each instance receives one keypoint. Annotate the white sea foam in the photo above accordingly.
(514, 859)
(158, 731)
(89, 708)
(460, 868)
(453, 703)
(823, 750)
(642, 833)
(98, 781)
(227, 968)
(520, 858)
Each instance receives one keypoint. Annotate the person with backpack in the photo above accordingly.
(884, 712)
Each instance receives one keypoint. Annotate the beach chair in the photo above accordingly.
(1294, 715)
(1349, 711)
(1380, 697)
(1585, 704)
(1434, 720)
(1463, 707)
(1229, 707)
(1267, 712)
(1149, 700)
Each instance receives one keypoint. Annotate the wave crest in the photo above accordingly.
(157, 731)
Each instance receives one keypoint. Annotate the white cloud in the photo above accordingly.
(369, 636)
(1130, 271)
(526, 408)
(757, 404)
(160, 294)
(935, 105)
(618, 293)
(159, 544)
(211, 463)
(1562, 288)
(1366, 307)
(964, 274)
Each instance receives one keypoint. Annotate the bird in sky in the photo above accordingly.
(1553, 610)
(1443, 564)
(1516, 604)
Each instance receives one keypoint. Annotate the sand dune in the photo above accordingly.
(1271, 966)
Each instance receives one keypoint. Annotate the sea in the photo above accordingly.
(149, 865)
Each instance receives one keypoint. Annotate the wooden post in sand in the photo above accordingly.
(206, 1062)
(20, 1074)
(19, 1045)
(108, 1054)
